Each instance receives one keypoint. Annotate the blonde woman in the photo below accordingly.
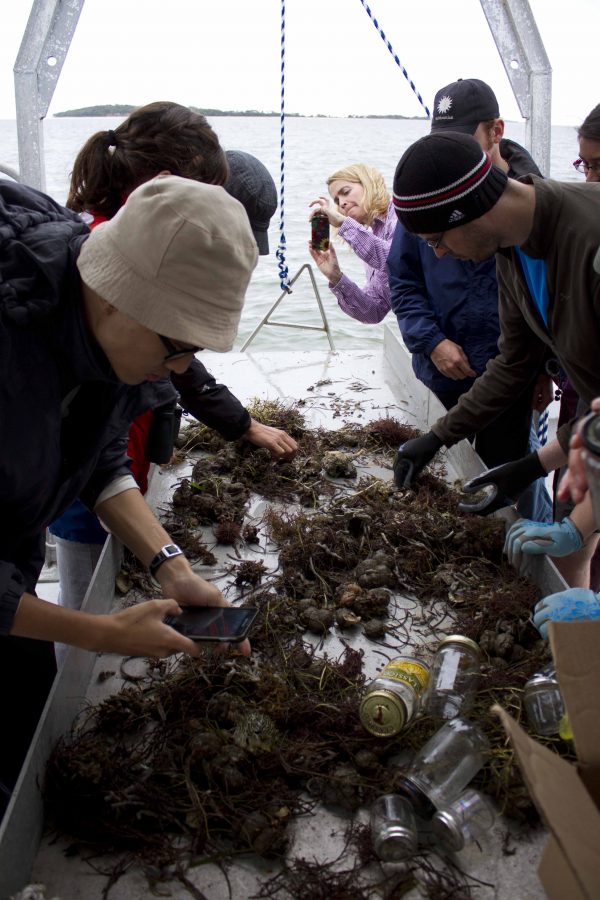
(360, 207)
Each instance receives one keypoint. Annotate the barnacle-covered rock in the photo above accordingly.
(317, 620)
(376, 571)
(504, 644)
(374, 630)
(345, 618)
(373, 603)
(348, 594)
(338, 465)
(340, 788)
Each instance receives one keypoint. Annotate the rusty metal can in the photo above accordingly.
(393, 698)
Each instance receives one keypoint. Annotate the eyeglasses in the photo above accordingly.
(173, 351)
(581, 166)
(437, 243)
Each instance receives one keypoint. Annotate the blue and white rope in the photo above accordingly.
(396, 60)
(284, 278)
(543, 428)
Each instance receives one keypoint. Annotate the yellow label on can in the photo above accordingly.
(411, 672)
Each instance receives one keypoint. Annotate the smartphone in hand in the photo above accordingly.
(213, 623)
(319, 232)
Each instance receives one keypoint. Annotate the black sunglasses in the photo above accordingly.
(173, 351)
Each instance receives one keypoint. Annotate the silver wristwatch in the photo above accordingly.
(165, 553)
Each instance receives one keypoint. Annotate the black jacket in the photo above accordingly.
(63, 413)
(210, 402)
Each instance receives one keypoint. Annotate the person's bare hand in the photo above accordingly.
(324, 207)
(279, 444)
(140, 631)
(327, 263)
(574, 482)
(451, 360)
(188, 589)
(543, 393)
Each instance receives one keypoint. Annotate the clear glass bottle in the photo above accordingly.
(454, 678)
(464, 820)
(444, 766)
(393, 828)
(393, 698)
(543, 702)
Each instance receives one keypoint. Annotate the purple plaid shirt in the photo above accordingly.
(372, 303)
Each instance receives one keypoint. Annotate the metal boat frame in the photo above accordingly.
(52, 24)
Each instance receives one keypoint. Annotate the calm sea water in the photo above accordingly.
(314, 148)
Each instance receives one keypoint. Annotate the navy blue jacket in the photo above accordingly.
(442, 298)
(63, 413)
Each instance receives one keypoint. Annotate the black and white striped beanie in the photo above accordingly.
(444, 181)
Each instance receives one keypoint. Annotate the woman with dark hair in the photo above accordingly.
(162, 136)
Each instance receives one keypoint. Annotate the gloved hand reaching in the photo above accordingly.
(535, 538)
(576, 604)
(509, 481)
(413, 456)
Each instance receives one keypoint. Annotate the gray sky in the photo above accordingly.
(226, 54)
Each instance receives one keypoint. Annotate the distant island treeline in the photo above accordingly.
(123, 109)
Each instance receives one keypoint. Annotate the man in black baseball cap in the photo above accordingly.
(463, 105)
(250, 182)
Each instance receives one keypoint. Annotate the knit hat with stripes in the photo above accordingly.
(444, 181)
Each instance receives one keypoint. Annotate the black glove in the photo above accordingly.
(413, 456)
(508, 482)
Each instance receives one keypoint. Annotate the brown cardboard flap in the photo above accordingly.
(576, 651)
(564, 803)
(556, 874)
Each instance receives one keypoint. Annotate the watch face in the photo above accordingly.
(167, 552)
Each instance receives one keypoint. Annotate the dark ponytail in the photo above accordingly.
(159, 136)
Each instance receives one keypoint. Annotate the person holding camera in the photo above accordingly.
(360, 208)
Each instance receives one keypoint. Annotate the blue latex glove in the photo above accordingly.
(535, 538)
(566, 606)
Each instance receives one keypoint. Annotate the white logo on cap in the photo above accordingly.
(456, 216)
(444, 105)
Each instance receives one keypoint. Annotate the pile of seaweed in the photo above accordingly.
(204, 761)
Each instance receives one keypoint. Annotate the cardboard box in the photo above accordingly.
(567, 795)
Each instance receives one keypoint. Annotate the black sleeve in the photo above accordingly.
(211, 403)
